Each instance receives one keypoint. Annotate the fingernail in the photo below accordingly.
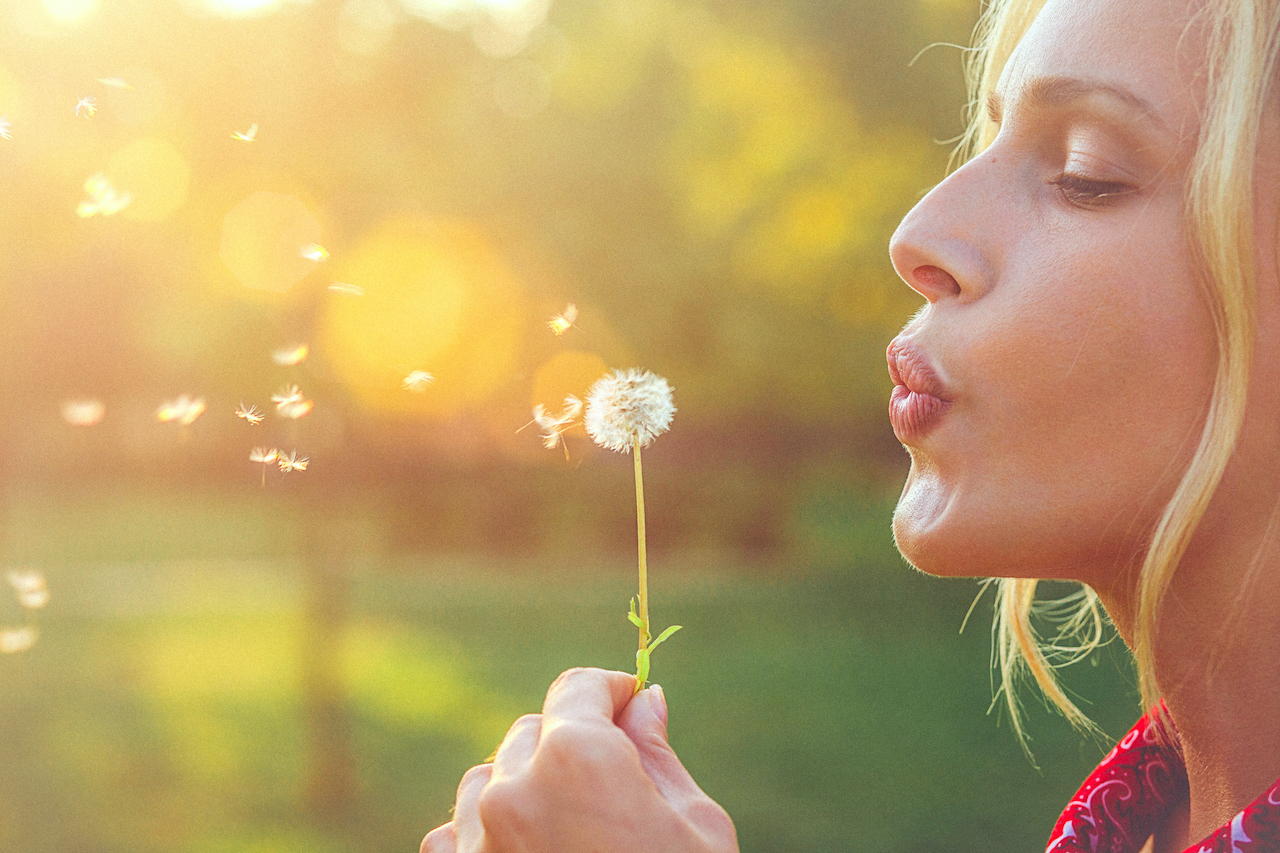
(658, 703)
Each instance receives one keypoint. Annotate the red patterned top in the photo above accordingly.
(1138, 782)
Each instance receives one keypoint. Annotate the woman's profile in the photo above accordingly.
(1090, 393)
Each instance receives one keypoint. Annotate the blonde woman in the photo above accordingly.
(1091, 393)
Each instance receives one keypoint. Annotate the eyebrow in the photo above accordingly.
(1049, 92)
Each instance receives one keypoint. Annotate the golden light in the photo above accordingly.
(437, 298)
(71, 12)
(238, 8)
(155, 174)
(263, 238)
(569, 372)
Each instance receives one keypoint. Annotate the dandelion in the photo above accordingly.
(314, 252)
(30, 589)
(83, 412)
(627, 410)
(292, 462)
(115, 82)
(291, 355)
(265, 456)
(417, 381)
(250, 414)
(344, 287)
(248, 135)
(13, 640)
(86, 106)
(5, 132)
(561, 323)
(102, 198)
(184, 410)
(552, 427)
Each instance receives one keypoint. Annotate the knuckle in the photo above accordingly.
(506, 811)
(476, 775)
(712, 821)
(440, 840)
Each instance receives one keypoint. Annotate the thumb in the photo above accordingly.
(645, 722)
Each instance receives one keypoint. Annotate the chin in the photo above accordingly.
(931, 533)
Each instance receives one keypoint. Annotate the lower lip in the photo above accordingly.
(913, 414)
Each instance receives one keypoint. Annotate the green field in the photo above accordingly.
(201, 705)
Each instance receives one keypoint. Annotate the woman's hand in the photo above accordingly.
(591, 774)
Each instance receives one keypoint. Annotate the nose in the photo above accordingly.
(941, 248)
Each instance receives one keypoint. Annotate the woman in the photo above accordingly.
(1090, 393)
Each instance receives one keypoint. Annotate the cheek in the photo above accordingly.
(1082, 401)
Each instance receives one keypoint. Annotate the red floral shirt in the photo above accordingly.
(1120, 806)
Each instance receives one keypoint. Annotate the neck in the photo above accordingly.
(1219, 674)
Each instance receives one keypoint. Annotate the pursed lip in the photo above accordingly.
(920, 398)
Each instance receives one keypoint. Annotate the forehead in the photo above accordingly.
(1152, 48)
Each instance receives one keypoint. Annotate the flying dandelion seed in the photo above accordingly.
(5, 132)
(250, 414)
(315, 252)
(265, 456)
(417, 381)
(291, 355)
(14, 640)
(86, 106)
(115, 82)
(286, 395)
(83, 412)
(102, 198)
(561, 323)
(30, 588)
(184, 410)
(290, 403)
(292, 462)
(348, 289)
(294, 411)
(553, 428)
(626, 410)
(248, 135)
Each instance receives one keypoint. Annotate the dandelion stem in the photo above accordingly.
(644, 574)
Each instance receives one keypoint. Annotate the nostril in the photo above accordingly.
(933, 282)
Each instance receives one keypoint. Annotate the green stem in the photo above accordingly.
(644, 575)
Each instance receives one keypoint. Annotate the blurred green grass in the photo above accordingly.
(829, 704)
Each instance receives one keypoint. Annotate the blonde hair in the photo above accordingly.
(1243, 41)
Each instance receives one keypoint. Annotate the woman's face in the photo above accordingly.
(1053, 388)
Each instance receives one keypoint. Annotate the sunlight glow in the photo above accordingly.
(71, 12)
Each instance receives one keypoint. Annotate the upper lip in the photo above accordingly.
(908, 366)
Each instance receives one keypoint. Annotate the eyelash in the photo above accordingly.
(1085, 192)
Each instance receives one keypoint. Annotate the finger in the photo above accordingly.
(588, 695)
(442, 839)
(516, 750)
(466, 815)
(645, 722)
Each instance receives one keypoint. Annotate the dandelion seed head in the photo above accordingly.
(184, 410)
(265, 455)
(13, 640)
(561, 323)
(348, 289)
(247, 135)
(417, 381)
(250, 414)
(83, 412)
(291, 355)
(86, 106)
(286, 395)
(315, 252)
(5, 132)
(628, 406)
